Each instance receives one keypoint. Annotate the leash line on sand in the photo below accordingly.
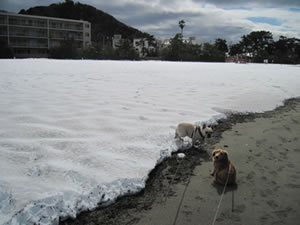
(181, 200)
(169, 186)
(224, 189)
(232, 201)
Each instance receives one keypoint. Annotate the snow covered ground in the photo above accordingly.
(76, 133)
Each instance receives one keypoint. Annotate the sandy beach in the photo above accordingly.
(265, 148)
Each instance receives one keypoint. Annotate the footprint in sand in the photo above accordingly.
(250, 175)
(187, 213)
(293, 186)
(272, 204)
(283, 155)
(295, 121)
(282, 139)
(295, 139)
(264, 178)
(260, 142)
(287, 128)
(264, 219)
(200, 198)
(284, 213)
(265, 193)
(250, 159)
(239, 208)
(258, 154)
(273, 173)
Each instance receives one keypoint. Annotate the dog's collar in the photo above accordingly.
(199, 130)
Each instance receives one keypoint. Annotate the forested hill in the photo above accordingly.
(103, 24)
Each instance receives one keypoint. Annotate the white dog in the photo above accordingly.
(196, 133)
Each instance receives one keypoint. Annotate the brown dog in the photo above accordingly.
(223, 166)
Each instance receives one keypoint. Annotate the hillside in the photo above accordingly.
(103, 24)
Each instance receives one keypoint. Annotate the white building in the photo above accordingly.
(33, 36)
(116, 40)
(141, 45)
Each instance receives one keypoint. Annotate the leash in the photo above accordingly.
(224, 189)
(181, 200)
(218, 207)
(169, 186)
(199, 131)
(232, 201)
(184, 192)
(182, 197)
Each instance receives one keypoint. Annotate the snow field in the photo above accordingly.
(77, 133)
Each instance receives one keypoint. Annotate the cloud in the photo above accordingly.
(17, 5)
(251, 3)
(208, 20)
(266, 20)
(205, 19)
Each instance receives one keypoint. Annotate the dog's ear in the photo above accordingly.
(204, 126)
(214, 152)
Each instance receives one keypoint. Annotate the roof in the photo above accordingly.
(42, 17)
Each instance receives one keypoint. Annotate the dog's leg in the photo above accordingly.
(213, 173)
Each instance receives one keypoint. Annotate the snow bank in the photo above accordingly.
(75, 134)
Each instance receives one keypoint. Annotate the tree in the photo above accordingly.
(68, 49)
(259, 44)
(211, 54)
(287, 50)
(221, 45)
(172, 52)
(126, 50)
(190, 52)
(181, 24)
(93, 51)
(221, 48)
(235, 49)
(175, 48)
(187, 51)
(153, 50)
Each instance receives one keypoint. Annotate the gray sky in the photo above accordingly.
(205, 20)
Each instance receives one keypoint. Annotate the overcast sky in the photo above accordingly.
(205, 20)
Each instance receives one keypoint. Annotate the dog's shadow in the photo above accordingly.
(220, 187)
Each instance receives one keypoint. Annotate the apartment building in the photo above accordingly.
(116, 41)
(33, 36)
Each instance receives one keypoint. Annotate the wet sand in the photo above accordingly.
(265, 148)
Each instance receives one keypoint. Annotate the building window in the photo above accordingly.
(3, 31)
(87, 25)
(3, 20)
(87, 34)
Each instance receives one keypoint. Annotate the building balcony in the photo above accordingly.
(31, 27)
(26, 45)
(27, 36)
(64, 38)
